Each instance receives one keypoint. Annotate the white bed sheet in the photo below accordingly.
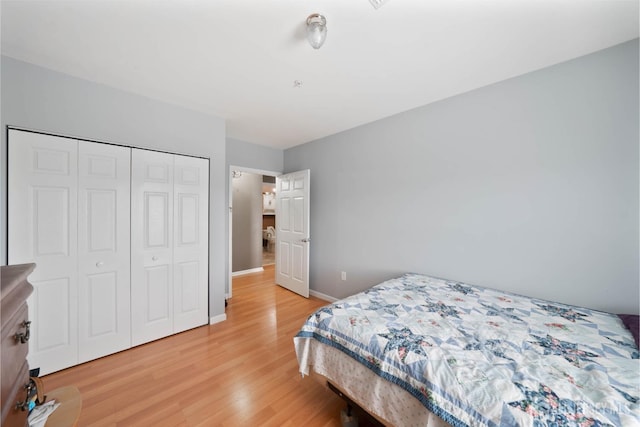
(386, 401)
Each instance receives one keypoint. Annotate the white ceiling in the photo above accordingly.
(238, 59)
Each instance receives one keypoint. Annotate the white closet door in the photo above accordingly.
(104, 250)
(151, 245)
(191, 240)
(42, 215)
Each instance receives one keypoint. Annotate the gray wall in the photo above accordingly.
(41, 99)
(529, 185)
(247, 222)
(246, 154)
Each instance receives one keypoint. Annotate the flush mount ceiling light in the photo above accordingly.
(316, 30)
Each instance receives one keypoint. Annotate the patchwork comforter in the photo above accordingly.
(480, 357)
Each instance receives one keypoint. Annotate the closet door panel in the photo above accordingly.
(52, 321)
(151, 245)
(158, 294)
(42, 217)
(104, 249)
(191, 242)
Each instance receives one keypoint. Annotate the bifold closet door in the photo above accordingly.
(191, 242)
(104, 310)
(42, 218)
(169, 244)
(69, 213)
(151, 245)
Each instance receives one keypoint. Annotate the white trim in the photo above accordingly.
(322, 296)
(254, 171)
(230, 233)
(249, 271)
(217, 319)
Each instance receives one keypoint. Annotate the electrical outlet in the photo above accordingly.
(343, 275)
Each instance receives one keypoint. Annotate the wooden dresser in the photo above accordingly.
(14, 375)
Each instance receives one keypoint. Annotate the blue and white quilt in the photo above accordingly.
(480, 357)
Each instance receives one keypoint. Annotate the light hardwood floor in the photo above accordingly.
(240, 372)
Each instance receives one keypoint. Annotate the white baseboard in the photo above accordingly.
(217, 319)
(249, 271)
(322, 296)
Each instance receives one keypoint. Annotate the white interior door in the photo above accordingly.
(191, 241)
(104, 309)
(151, 245)
(292, 234)
(42, 215)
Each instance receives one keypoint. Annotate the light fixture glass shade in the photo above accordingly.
(316, 30)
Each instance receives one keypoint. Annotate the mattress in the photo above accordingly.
(387, 402)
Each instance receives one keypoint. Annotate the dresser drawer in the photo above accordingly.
(14, 416)
(15, 370)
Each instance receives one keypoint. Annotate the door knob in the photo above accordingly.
(99, 264)
(307, 240)
(154, 258)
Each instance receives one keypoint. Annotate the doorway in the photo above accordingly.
(252, 221)
(268, 220)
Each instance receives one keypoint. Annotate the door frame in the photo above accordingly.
(229, 292)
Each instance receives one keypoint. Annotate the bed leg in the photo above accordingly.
(347, 419)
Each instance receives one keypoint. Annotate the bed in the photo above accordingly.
(419, 350)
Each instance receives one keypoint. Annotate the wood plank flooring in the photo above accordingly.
(240, 372)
